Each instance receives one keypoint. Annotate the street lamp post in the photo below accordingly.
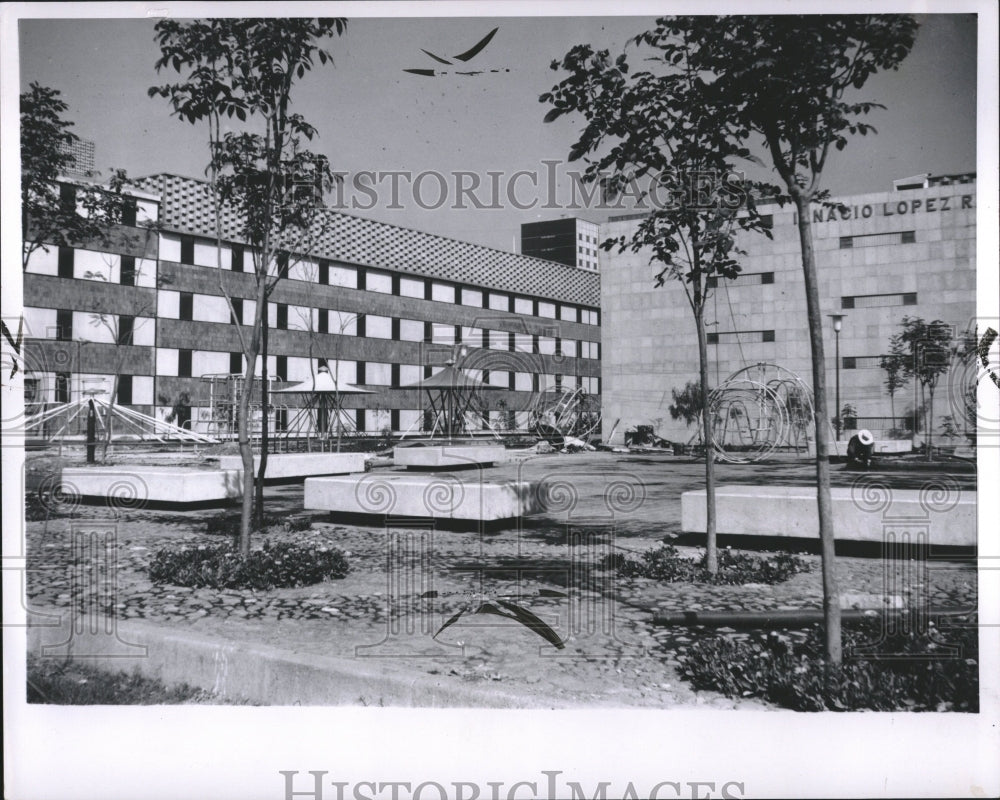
(838, 320)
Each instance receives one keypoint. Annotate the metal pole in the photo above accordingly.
(91, 432)
(837, 353)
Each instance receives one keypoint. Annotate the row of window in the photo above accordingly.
(328, 273)
(125, 396)
(394, 328)
(369, 373)
(875, 239)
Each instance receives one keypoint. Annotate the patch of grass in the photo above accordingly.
(72, 683)
(223, 567)
(667, 565)
(934, 671)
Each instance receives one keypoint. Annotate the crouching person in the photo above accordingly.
(860, 449)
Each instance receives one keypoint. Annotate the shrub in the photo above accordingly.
(906, 672)
(221, 567)
(667, 565)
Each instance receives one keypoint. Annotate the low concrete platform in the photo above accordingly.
(449, 456)
(285, 466)
(863, 514)
(413, 495)
(136, 485)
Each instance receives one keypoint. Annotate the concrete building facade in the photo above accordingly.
(882, 256)
(381, 305)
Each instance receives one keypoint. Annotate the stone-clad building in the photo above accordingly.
(908, 252)
(380, 304)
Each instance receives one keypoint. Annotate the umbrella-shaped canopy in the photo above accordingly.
(323, 383)
(450, 378)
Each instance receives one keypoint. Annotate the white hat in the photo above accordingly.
(865, 437)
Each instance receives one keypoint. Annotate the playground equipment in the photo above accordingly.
(758, 409)
(322, 415)
(559, 412)
(453, 395)
(61, 418)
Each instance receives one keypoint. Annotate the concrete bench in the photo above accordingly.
(425, 496)
(858, 515)
(449, 456)
(136, 485)
(284, 466)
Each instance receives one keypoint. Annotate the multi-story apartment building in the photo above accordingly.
(380, 305)
(880, 257)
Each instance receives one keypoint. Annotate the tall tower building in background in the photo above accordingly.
(571, 241)
(82, 151)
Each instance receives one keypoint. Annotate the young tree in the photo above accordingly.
(655, 126)
(54, 214)
(688, 403)
(790, 79)
(929, 351)
(894, 366)
(247, 68)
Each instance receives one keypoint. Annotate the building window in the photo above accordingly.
(360, 376)
(125, 390)
(128, 271)
(62, 387)
(236, 363)
(183, 363)
(129, 211)
(737, 337)
(187, 250)
(323, 320)
(874, 239)
(861, 362)
(236, 315)
(126, 327)
(283, 263)
(67, 197)
(879, 300)
(743, 279)
(64, 325)
(237, 259)
(281, 368)
(281, 419)
(66, 262)
(324, 272)
(185, 308)
(282, 317)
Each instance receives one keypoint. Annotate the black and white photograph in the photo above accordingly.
(477, 400)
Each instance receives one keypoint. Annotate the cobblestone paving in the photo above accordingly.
(614, 654)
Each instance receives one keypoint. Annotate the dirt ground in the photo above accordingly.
(601, 503)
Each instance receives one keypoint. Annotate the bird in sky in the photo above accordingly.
(468, 55)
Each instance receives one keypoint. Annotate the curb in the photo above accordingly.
(252, 672)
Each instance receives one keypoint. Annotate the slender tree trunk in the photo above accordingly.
(892, 409)
(930, 421)
(111, 415)
(246, 451)
(264, 434)
(831, 595)
(711, 548)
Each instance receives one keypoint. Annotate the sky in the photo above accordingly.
(372, 115)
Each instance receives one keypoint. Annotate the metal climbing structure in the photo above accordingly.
(757, 410)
